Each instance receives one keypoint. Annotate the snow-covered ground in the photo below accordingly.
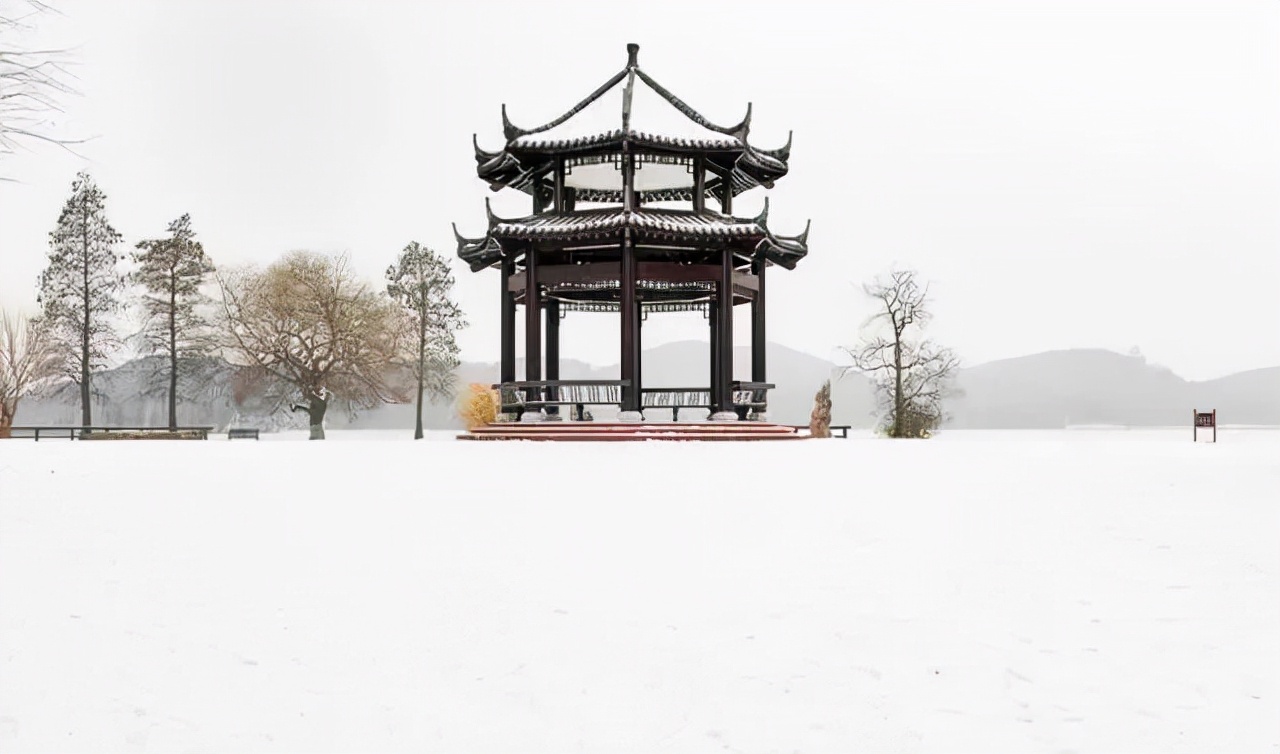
(1086, 591)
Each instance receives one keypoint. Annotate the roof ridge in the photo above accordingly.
(626, 97)
(738, 131)
(512, 131)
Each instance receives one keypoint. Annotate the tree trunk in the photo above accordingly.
(86, 414)
(417, 432)
(316, 408)
(173, 354)
(422, 349)
(6, 420)
(896, 430)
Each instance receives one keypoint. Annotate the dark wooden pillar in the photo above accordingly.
(724, 317)
(713, 319)
(627, 310)
(758, 340)
(628, 304)
(724, 306)
(508, 359)
(557, 187)
(552, 308)
(639, 383)
(699, 184)
(532, 318)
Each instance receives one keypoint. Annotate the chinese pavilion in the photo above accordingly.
(636, 223)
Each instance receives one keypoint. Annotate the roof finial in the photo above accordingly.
(633, 50)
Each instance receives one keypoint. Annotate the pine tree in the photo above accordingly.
(421, 282)
(79, 290)
(171, 271)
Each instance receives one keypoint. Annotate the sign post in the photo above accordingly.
(1201, 419)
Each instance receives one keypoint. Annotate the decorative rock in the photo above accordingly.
(724, 416)
(533, 416)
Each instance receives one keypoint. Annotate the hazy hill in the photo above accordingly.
(1045, 390)
(1075, 387)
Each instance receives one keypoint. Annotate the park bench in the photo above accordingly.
(242, 433)
(519, 397)
(843, 429)
(747, 397)
(77, 432)
(675, 398)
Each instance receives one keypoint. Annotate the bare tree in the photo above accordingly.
(28, 358)
(33, 81)
(912, 377)
(308, 321)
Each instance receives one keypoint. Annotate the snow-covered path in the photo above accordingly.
(981, 592)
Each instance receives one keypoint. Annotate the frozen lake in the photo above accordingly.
(1059, 591)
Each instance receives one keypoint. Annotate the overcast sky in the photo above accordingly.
(1067, 174)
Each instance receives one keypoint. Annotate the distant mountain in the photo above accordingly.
(1076, 387)
(1045, 390)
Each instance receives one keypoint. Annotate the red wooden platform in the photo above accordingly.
(614, 432)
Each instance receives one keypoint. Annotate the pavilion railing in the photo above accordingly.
(518, 397)
(675, 398)
(535, 395)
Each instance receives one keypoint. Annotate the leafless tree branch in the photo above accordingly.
(911, 377)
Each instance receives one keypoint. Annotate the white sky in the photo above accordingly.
(1068, 174)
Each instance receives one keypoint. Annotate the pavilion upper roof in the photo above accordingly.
(650, 225)
(631, 109)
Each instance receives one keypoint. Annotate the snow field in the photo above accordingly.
(1084, 591)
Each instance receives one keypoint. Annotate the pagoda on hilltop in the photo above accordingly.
(637, 223)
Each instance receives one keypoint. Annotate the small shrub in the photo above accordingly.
(820, 418)
(918, 421)
(479, 406)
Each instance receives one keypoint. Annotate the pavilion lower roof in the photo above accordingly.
(509, 237)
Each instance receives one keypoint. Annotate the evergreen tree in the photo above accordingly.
(421, 282)
(171, 271)
(79, 290)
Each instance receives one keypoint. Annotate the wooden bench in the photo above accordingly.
(519, 397)
(843, 429)
(675, 398)
(242, 433)
(749, 397)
